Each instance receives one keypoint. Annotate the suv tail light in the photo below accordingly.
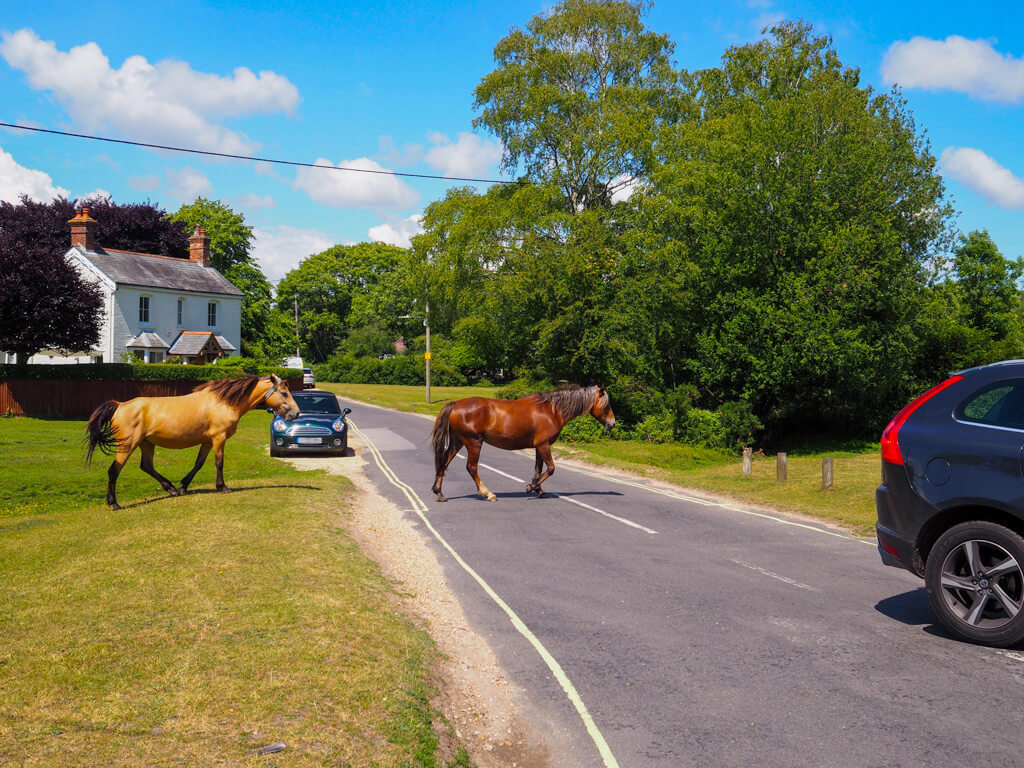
(890, 442)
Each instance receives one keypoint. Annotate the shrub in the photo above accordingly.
(583, 430)
(522, 387)
(656, 428)
(739, 424)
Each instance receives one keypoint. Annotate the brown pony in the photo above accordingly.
(206, 417)
(534, 421)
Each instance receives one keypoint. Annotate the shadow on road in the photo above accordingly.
(912, 609)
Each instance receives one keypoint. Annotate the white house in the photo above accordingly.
(153, 306)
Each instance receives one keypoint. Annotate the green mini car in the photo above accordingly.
(320, 426)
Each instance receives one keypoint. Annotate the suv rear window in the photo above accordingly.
(999, 404)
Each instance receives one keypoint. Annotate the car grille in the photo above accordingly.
(305, 431)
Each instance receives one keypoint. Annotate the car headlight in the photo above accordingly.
(279, 426)
(339, 425)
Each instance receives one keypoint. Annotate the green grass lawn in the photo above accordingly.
(850, 502)
(192, 631)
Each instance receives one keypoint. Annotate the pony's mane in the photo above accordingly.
(233, 392)
(569, 402)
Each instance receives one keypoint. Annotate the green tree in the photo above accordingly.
(577, 98)
(230, 237)
(812, 212)
(230, 246)
(328, 285)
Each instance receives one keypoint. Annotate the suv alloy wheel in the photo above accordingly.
(975, 583)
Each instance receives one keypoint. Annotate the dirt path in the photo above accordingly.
(482, 705)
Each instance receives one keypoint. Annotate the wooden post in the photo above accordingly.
(780, 467)
(748, 461)
(826, 473)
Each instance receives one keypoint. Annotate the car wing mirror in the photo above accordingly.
(270, 410)
(346, 411)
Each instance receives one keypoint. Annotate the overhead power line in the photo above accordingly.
(249, 157)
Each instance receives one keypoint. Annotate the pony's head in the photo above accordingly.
(280, 399)
(602, 408)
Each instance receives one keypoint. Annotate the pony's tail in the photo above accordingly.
(442, 437)
(99, 433)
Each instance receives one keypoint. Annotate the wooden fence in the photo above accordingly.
(76, 399)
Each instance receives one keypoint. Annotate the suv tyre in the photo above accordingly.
(975, 583)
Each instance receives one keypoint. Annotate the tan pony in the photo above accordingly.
(206, 417)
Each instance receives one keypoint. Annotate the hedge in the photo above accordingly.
(142, 372)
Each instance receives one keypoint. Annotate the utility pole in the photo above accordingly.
(426, 324)
(297, 353)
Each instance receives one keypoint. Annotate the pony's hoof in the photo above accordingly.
(491, 497)
(529, 488)
(174, 492)
(542, 494)
(224, 489)
(441, 498)
(115, 505)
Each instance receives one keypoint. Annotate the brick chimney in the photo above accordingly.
(199, 247)
(83, 230)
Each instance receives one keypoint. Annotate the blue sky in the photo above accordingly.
(388, 85)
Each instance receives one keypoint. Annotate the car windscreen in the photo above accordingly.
(317, 403)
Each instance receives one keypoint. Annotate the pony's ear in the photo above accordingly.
(275, 378)
(600, 390)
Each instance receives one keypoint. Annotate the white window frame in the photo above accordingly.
(144, 310)
(212, 312)
(181, 312)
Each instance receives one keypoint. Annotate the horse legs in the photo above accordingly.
(538, 463)
(204, 451)
(218, 458)
(115, 469)
(436, 488)
(472, 457)
(543, 456)
(146, 448)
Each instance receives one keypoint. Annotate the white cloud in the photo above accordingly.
(410, 154)
(17, 180)
(280, 249)
(98, 194)
(468, 155)
(186, 184)
(253, 202)
(163, 103)
(956, 63)
(981, 173)
(398, 233)
(345, 189)
(146, 183)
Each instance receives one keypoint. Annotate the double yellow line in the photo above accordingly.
(420, 508)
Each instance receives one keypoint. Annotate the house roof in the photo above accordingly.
(191, 343)
(153, 271)
(147, 341)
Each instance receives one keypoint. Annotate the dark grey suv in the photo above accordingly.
(951, 504)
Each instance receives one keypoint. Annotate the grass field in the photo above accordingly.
(193, 631)
(850, 502)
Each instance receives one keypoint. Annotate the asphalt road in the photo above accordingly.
(711, 635)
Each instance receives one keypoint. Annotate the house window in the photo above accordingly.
(211, 314)
(156, 356)
(143, 309)
(181, 311)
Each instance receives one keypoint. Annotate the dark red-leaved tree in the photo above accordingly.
(44, 304)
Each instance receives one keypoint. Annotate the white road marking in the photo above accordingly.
(622, 520)
(420, 508)
(785, 579)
